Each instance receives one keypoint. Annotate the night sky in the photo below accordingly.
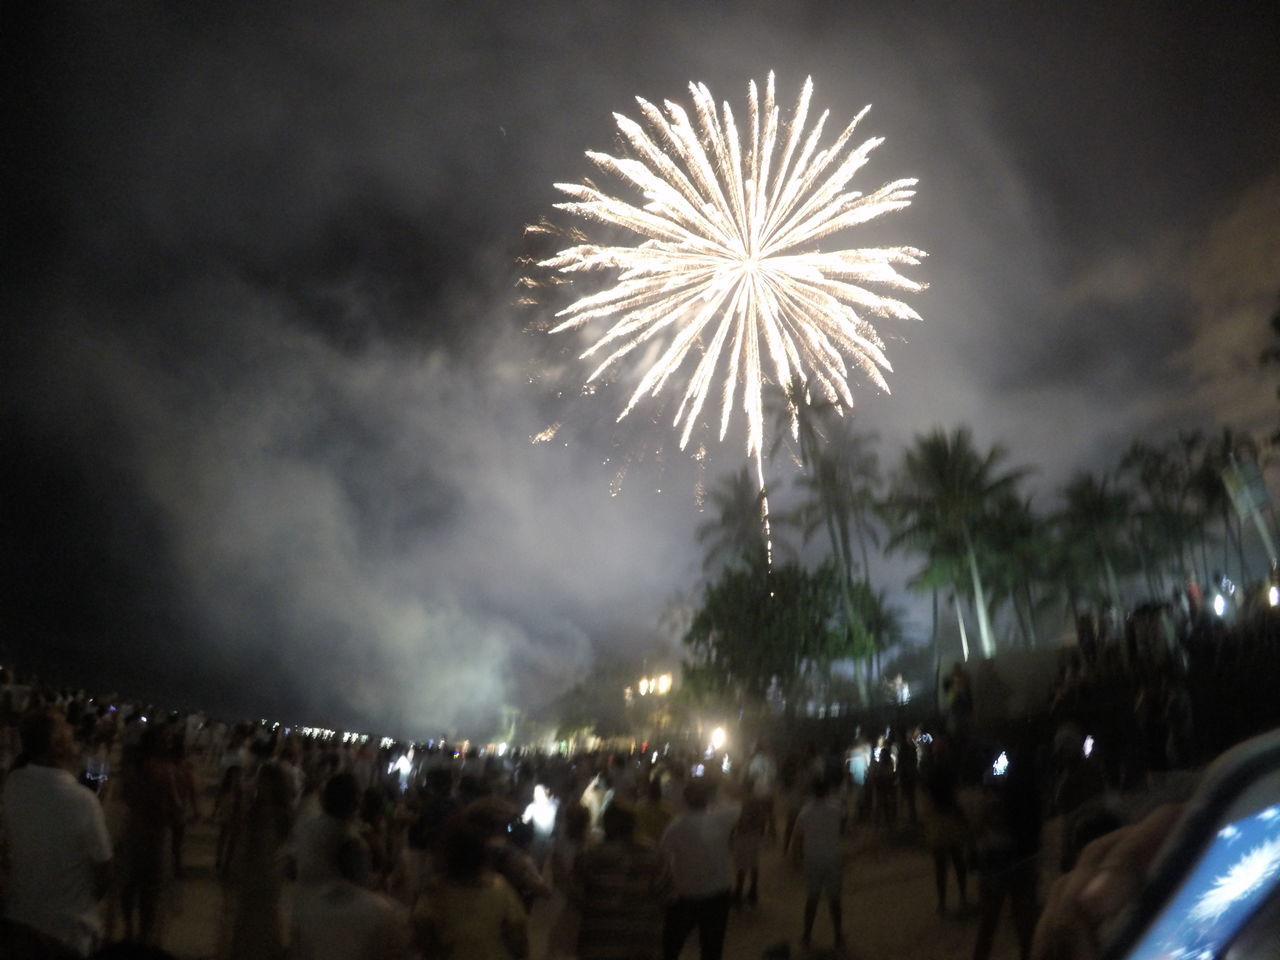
(268, 396)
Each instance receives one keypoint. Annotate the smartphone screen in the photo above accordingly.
(1237, 871)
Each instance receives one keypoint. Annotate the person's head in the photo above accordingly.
(464, 852)
(272, 788)
(491, 816)
(698, 793)
(47, 738)
(372, 806)
(618, 820)
(575, 819)
(654, 789)
(439, 781)
(341, 796)
(230, 779)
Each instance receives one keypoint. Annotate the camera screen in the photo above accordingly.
(1234, 876)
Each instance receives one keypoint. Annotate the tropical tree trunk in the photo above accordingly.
(1113, 585)
(964, 635)
(980, 602)
(1030, 634)
(937, 651)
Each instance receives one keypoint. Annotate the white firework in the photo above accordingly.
(727, 266)
(1242, 879)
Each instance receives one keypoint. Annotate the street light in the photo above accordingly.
(658, 686)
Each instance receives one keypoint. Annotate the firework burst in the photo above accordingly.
(726, 277)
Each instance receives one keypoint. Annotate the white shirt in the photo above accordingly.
(57, 837)
(763, 772)
(697, 841)
(342, 921)
(819, 828)
(317, 841)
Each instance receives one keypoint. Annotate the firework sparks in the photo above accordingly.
(727, 267)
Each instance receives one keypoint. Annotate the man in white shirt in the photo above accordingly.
(697, 841)
(817, 837)
(59, 848)
(764, 777)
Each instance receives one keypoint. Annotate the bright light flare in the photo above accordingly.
(726, 275)
(718, 738)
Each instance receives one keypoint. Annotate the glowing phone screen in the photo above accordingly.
(1234, 876)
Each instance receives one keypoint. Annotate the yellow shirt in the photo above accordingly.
(468, 922)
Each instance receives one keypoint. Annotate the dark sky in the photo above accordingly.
(268, 398)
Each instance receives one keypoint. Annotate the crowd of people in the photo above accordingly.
(339, 847)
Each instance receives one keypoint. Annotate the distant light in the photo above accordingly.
(1273, 596)
(726, 766)
(717, 738)
(1219, 604)
(1088, 746)
(502, 749)
(664, 683)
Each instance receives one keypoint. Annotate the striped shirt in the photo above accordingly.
(621, 888)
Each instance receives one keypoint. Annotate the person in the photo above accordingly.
(471, 913)
(59, 848)
(620, 887)
(151, 806)
(763, 773)
(697, 841)
(573, 823)
(188, 800)
(437, 807)
(1085, 904)
(958, 688)
(908, 774)
(652, 815)
(340, 919)
(228, 814)
(255, 876)
(321, 839)
(817, 839)
(1008, 853)
(946, 829)
(748, 834)
(492, 817)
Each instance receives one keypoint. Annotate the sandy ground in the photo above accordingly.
(888, 906)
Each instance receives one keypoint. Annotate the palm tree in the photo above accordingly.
(879, 620)
(1093, 523)
(735, 533)
(1220, 455)
(943, 498)
(840, 476)
(1019, 560)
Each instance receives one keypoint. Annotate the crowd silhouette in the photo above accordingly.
(331, 847)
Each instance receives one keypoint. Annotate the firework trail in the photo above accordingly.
(726, 274)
